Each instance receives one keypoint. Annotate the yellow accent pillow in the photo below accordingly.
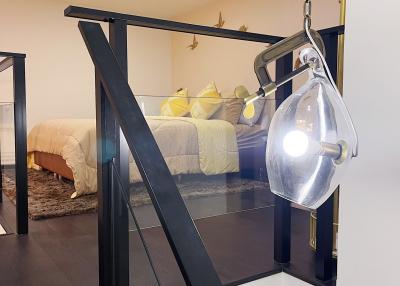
(176, 105)
(206, 103)
(249, 111)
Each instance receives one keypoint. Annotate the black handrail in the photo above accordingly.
(12, 55)
(17, 61)
(133, 20)
(140, 21)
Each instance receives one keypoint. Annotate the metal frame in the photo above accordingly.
(112, 217)
(179, 228)
(114, 98)
(17, 62)
(282, 210)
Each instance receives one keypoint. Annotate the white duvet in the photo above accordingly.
(189, 146)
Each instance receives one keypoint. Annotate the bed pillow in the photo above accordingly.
(206, 103)
(230, 109)
(176, 105)
(250, 113)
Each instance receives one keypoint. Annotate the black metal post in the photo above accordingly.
(282, 210)
(324, 238)
(154, 23)
(20, 145)
(120, 221)
(112, 212)
(106, 150)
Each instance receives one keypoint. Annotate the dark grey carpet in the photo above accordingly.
(49, 197)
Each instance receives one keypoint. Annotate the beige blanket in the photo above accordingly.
(189, 146)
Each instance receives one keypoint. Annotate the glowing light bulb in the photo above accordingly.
(295, 143)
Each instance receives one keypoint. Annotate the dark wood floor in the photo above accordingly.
(63, 251)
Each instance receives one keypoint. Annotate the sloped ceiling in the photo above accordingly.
(166, 9)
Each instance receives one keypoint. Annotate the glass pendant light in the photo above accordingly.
(311, 139)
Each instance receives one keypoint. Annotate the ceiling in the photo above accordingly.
(153, 8)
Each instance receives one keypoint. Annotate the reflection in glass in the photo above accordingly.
(219, 168)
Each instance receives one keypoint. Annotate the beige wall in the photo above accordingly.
(230, 62)
(59, 71)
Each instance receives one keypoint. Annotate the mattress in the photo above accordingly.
(189, 146)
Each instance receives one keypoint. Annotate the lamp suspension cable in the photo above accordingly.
(307, 27)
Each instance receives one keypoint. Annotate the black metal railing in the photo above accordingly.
(117, 108)
(184, 239)
(17, 62)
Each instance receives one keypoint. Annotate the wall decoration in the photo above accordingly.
(194, 44)
(221, 22)
(243, 28)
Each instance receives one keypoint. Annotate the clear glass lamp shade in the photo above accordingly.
(310, 141)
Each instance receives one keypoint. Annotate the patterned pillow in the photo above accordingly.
(206, 103)
(176, 105)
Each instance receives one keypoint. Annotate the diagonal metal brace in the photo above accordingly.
(181, 232)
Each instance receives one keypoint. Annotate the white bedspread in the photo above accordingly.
(189, 146)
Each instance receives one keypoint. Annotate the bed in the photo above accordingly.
(67, 147)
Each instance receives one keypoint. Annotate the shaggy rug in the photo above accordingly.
(49, 197)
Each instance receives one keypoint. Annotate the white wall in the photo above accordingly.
(369, 235)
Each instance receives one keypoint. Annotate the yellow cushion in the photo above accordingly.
(206, 103)
(249, 111)
(176, 105)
